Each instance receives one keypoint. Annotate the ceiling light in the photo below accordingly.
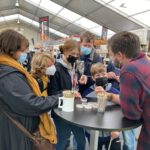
(17, 3)
(18, 21)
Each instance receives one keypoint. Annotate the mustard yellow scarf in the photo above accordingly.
(46, 126)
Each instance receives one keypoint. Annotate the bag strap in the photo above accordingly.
(20, 126)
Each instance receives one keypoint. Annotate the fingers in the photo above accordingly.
(83, 79)
(99, 89)
(77, 94)
(111, 75)
(115, 134)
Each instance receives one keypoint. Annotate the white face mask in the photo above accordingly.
(50, 70)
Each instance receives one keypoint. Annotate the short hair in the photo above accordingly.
(126, 43)
(11, 41)
(97, 68)
(87, 37)
(69, 45)
(38, 64)
(38, 46)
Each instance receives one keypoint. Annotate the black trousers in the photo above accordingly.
(104, 142)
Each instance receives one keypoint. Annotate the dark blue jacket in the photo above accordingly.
(90, 91)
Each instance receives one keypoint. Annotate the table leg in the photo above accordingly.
(94, 139)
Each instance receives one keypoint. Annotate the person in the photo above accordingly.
(63, 80)
(42, 66)
(27, 63)
(38, 47)
(100, 78)
(124, 48)
(89, 56)
(20, 96)
(99, 75)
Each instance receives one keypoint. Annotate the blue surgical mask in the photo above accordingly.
(50, 70)
(86, 50)
(22, 58)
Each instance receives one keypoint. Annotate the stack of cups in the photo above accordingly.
(102, 100)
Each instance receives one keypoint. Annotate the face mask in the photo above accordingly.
(86, 50)
(22, 58)
(50, 70)
(72, 59)
(102, 81)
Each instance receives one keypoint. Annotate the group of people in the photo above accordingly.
(29, 96)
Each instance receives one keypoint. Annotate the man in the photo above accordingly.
(89, 56)
(134, 99)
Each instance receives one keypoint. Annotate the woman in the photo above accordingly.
(42, 66)
(62, 80)
(20, 96)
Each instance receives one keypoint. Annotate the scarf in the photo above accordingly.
(46, 126)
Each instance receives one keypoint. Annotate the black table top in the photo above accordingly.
(111, 120)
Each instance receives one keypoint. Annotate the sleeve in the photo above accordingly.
(110, 67)
(97, 58)
(130, 90)
(18, 96)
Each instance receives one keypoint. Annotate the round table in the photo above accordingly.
(111, 120)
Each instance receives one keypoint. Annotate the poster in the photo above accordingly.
(104, 33)
(44, 28)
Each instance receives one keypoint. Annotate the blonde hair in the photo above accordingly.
(69, 45)
(38, 64)
(97, 68)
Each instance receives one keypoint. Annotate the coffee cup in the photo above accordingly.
(67, 101)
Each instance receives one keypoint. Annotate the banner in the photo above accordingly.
(104, 33)
(44, 28)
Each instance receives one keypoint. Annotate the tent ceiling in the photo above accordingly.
(86, 8)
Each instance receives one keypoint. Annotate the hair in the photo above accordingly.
(87, 37)
(11, 42)
(69, 45)
(126, 43)
(97, 68)
(38, 64)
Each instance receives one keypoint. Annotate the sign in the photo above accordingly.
(44, 28)
(104, 33)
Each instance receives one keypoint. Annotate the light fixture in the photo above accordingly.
(18, 21)
(17, 3)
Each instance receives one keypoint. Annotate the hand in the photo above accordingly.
(83, 79)
(114, 134)
(118, 78)
(99, 89)
(111, 75)
(77, 94)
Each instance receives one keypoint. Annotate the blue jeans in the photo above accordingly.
(64, 131)
(129, 140)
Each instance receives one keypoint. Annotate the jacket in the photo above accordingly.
(19, 101)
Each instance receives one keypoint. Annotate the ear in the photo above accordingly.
(120, 56)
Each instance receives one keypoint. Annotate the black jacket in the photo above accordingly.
(19, 101)
(60, 81)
